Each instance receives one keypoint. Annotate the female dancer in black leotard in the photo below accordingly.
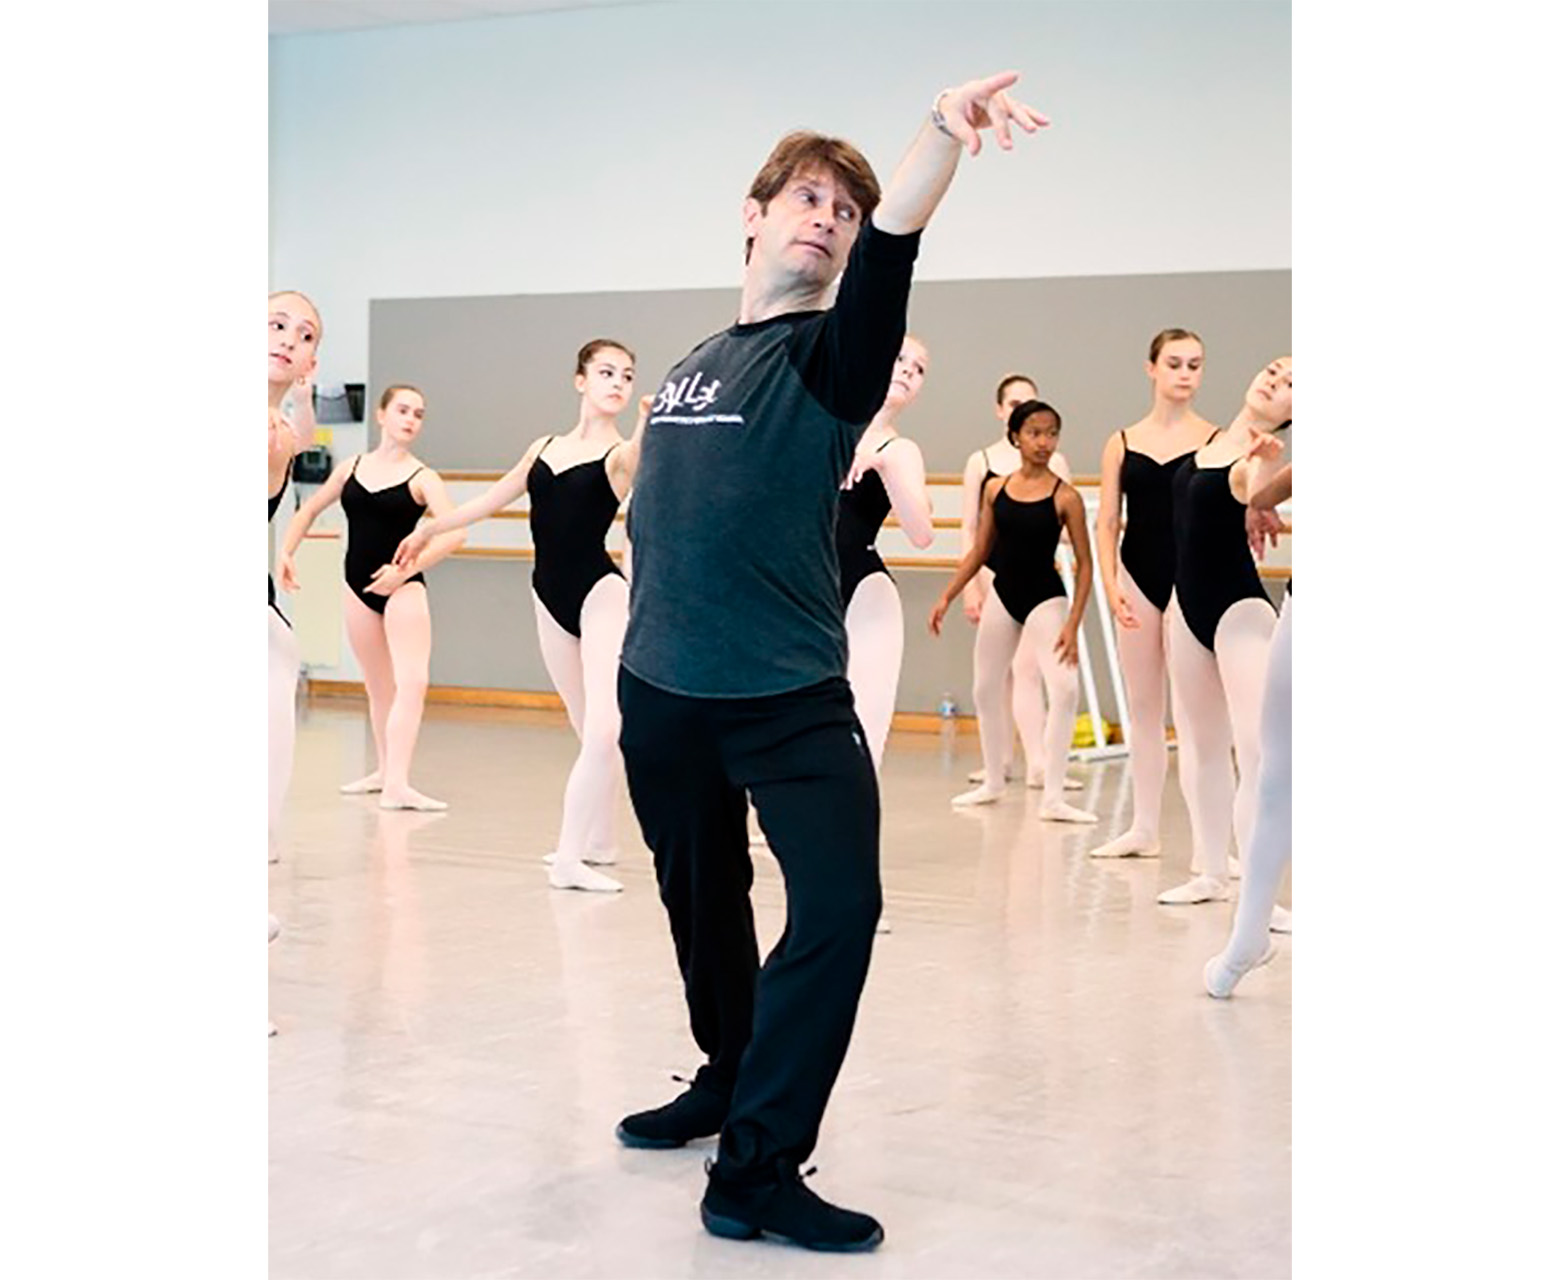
(1221, 623)
(888, 474)
(1270, 848)
(577, 482)
(293, 336)
(1137, 466)
(1000, 458)
(292, 342)
(1021, 522)
(385, 607)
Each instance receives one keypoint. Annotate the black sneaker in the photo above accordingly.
(695, 1113)
(783, 1208)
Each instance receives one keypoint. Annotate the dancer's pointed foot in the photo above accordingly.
(1197, 889)
(594, 857)
(1281, 921)
(1130, 844)
(272, 929)
(980, 795)
(1060, 811)
(1222, 973)
(883, 925)
(576, 875)
(365, 786)
(406, 798)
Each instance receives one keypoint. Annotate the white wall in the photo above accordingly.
(610, 148)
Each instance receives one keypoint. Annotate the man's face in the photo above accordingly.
(807, 230)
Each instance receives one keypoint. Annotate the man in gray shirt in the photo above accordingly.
(733, 679)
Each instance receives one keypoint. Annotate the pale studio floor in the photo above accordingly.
(1037, 1085)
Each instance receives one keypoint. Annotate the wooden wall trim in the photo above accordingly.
(528, 700)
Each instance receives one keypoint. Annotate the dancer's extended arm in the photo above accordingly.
(306, 515)
(623, 462)
(969, 521)
(971, 564)
(923, 176)
(428, 488)
(1107, 532)
(504, 491)
(903, 472)
(300, 414)
(1070, 505)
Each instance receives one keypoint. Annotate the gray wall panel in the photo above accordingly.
(498, 372)
(1084, 340)
(484, 626)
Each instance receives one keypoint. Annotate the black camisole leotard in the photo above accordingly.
(571, 512)
(990, 474)
(863, 508)
(985, 480)
(1148, 544)
(377, 520)
(272, 503)
(1024, 556)
(1214, 568)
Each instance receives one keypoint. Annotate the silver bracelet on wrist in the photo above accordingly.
(940, 121)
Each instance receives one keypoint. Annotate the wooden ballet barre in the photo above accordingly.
(923, 562)
(939, 477)
(507, 514)
(892, 522)
(510, 553)
(953, 562)
(938, 522)
(948, 478)
(941, 563)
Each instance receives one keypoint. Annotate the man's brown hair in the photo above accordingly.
(804, 152)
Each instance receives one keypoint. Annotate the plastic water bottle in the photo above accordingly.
(947, 708)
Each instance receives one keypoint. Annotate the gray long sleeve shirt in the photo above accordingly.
(735, 590)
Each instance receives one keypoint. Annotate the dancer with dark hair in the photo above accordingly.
(1021, 524)
(998, 459)
(577, 481)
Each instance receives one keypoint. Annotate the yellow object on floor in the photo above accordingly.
(1083, 732)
